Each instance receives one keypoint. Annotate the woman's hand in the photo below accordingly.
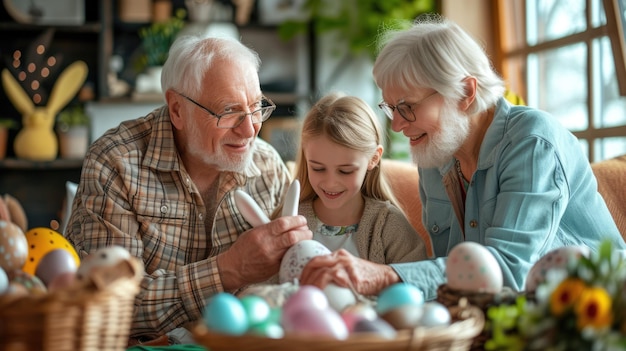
(346, 270)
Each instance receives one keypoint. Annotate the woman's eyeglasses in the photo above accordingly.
(404, 109)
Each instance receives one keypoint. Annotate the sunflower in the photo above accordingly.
(565, 295)
(594, 308)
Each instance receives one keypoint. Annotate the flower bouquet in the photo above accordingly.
(580, 307)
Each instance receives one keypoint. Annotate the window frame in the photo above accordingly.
(512, 51)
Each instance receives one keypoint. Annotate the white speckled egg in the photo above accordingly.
(297, 257)
(471, 267)
(555, 259)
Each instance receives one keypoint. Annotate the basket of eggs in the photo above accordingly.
(51, 301)
(474, 275)
(289, 316)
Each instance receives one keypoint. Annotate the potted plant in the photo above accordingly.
(156, 40)
(73, 130)
(5, 125)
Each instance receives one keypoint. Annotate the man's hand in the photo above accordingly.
(346, 270)
(256, 255)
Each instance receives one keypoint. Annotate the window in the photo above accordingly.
(558, 55)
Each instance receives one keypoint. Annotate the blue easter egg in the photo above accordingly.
(397, 295)
(224, 313)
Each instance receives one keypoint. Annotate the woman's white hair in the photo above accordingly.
(190, 57)
(436, 53)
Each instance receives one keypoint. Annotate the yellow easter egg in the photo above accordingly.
(41, 241)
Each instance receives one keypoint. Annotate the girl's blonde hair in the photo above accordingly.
(349, 122)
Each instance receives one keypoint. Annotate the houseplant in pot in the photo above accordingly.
(73, 130)
(156, 40)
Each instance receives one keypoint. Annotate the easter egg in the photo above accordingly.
(257, 310)
(556, 259)
(54, 263)
(362, 310)
(267, 330)
(323, 322)
(62, 281)
(30, 282)
(307, 297)
(224, 313)
(398, 294)
(378, 327)
(471, 267)
(435, 314)
(4, 281)
(297, 256)
(339, 297)
(13, 246)
(41, 241)
(403, 317)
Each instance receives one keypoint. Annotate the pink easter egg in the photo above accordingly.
(471, 267)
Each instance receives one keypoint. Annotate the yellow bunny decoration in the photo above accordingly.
(37, 140)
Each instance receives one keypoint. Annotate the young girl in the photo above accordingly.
(344, 197)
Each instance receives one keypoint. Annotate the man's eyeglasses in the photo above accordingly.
(264, 109)
(405, 110)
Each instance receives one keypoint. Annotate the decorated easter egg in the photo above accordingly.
(297, 256)
(13, 246)
(28, 281)
(41, 241)
(103, 257)
(471, 267)
(556, 259)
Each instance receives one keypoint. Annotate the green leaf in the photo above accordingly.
(357, 22)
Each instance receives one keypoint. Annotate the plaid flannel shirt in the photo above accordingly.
(134, 192)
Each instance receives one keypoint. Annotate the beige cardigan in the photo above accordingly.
(384, 234)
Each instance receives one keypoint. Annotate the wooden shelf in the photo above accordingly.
(15, 163)
(88, 27)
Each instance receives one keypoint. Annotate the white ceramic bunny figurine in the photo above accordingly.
(37, 140)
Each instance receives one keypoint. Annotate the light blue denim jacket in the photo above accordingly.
(533, 191)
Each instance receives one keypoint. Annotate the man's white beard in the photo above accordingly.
(441, 146)
(227, 163)
(220, 159)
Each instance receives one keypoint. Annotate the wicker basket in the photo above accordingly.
(458, 336)
(87, 316)
(450, 297)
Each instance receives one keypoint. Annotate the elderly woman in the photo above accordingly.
(510, 178)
